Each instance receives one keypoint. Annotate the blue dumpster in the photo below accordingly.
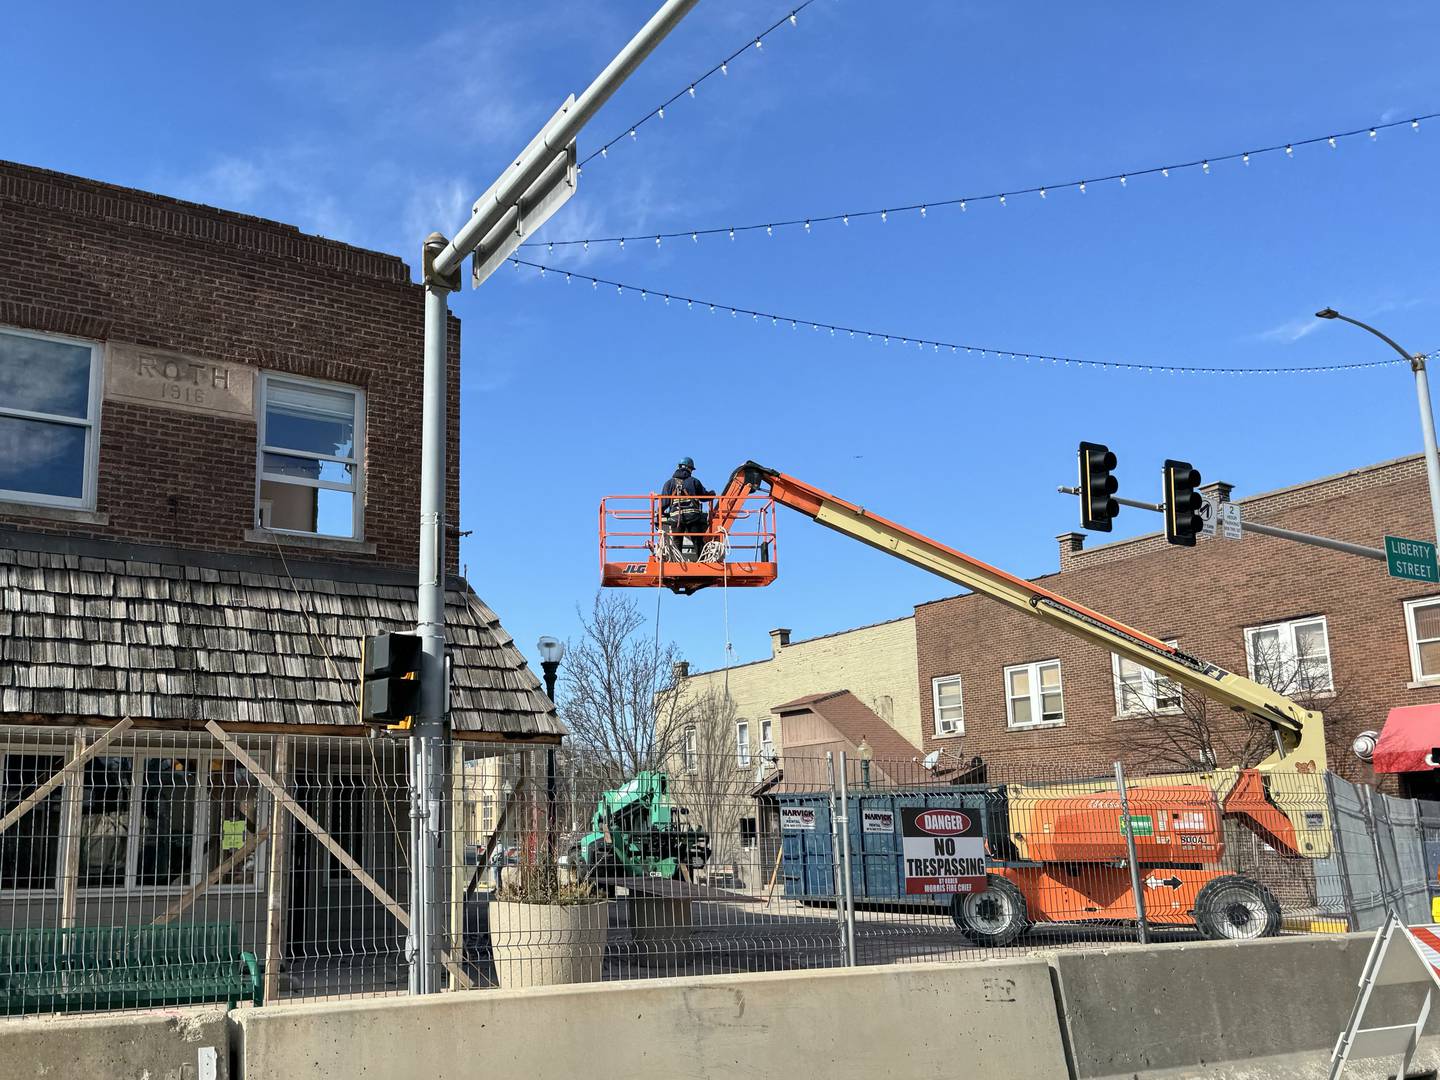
(876, 863)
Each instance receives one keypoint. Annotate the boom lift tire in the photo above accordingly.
(1236, 908)
(993, 918)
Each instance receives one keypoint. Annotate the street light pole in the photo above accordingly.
(500, 206)
(1427, 409)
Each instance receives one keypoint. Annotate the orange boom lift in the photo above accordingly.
(1059, 852)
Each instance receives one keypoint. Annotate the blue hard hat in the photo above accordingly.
(687, 463)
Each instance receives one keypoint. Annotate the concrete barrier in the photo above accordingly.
(1229, 1010)
(170, 1044)
(995, 1020)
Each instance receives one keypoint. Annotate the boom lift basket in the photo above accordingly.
(640, 546)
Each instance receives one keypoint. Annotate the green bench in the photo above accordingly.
(91, 968)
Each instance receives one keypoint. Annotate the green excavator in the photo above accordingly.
(637, 830)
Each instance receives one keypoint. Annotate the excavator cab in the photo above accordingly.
(643, 544)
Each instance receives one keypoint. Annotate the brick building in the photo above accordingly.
(1330, 628)
(209, 444)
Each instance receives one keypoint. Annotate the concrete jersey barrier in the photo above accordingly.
(1225, 1009)
(995, 1020)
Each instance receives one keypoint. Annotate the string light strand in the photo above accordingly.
(754, 41)
(1206, 165)
(935, 345)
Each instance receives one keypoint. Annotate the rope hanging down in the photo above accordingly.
(984, 351)
(1203, 164)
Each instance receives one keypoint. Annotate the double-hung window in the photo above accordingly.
(767, 738)
(49, 419)
(1140, 691)
(1291, 657)
(689, 751)
(1422, 626)
(742, 744)
(949, 705)
(1033, 697)
(312, 438)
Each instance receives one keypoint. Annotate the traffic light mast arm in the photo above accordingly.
(1299, 731)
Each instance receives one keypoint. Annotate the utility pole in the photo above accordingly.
(1427, 409)
(538, 182)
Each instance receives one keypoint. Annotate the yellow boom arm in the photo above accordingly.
(1299, 732)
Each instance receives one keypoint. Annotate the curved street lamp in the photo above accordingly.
(1427, 410)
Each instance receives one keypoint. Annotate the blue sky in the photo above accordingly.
(375, 123)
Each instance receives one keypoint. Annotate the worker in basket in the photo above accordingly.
(683, 516)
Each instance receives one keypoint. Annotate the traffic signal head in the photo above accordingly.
(1097, 487)
(1182, 502)
(390, 689)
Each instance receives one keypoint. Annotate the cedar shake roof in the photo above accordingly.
(95, 629)
(849, 716)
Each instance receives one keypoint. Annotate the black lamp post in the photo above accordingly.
(867, 755)
(552, 651)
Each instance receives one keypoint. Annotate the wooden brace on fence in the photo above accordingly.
(342, 856)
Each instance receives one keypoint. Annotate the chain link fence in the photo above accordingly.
(141, 868)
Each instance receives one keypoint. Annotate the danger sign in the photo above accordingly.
(944, 851)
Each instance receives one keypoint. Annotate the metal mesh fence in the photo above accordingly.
(142, 868)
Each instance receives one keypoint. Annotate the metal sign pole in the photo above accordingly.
(1142, 931)
(521, 184)
(847, 884)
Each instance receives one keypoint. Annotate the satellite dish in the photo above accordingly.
(931, 760)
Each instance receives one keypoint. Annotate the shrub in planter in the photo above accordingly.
(544, 931)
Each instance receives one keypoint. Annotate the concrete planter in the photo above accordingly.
(548, 944)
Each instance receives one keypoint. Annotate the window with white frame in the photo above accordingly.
(1139, 690)
(312, 438)
(1033, 697)
(742, 744)
(767, 739)
(1291, 657)
(157, 822)
(688, 749)
(949, 705)
(1422, 626)
(49, 419)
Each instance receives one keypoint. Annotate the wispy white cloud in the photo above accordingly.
(1290, 331)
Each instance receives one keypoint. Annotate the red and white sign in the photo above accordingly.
(943, 850)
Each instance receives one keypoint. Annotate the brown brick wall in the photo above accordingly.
(1205, 597)
(116, 265)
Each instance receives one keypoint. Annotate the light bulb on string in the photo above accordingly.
(724, 68)
(793, 20)
(807, 226)
(1122, 181)
(1082, 187)
(1042, 193)
(769, 230)
(692, 90)
(550, 248)
(1414, 125)
(567, 279)
(1289, 150)
(1164, 172)
(605, 151)
(586, 245)
(1205, 167)
(962, 205)
(1002, 200)
(884, 215)
(660, 112)
(1331, 141)
(1372, 133)
(632, 133)
(922, 211)
(759, 44)
(622, 243)
(1245, 158)
(732, 234)
(845, 219)
(694, 238)
(657, 241)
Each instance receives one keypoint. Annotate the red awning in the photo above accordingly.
(1410, 740)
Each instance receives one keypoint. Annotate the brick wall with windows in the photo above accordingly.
(148, 344)
(1323, 625)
